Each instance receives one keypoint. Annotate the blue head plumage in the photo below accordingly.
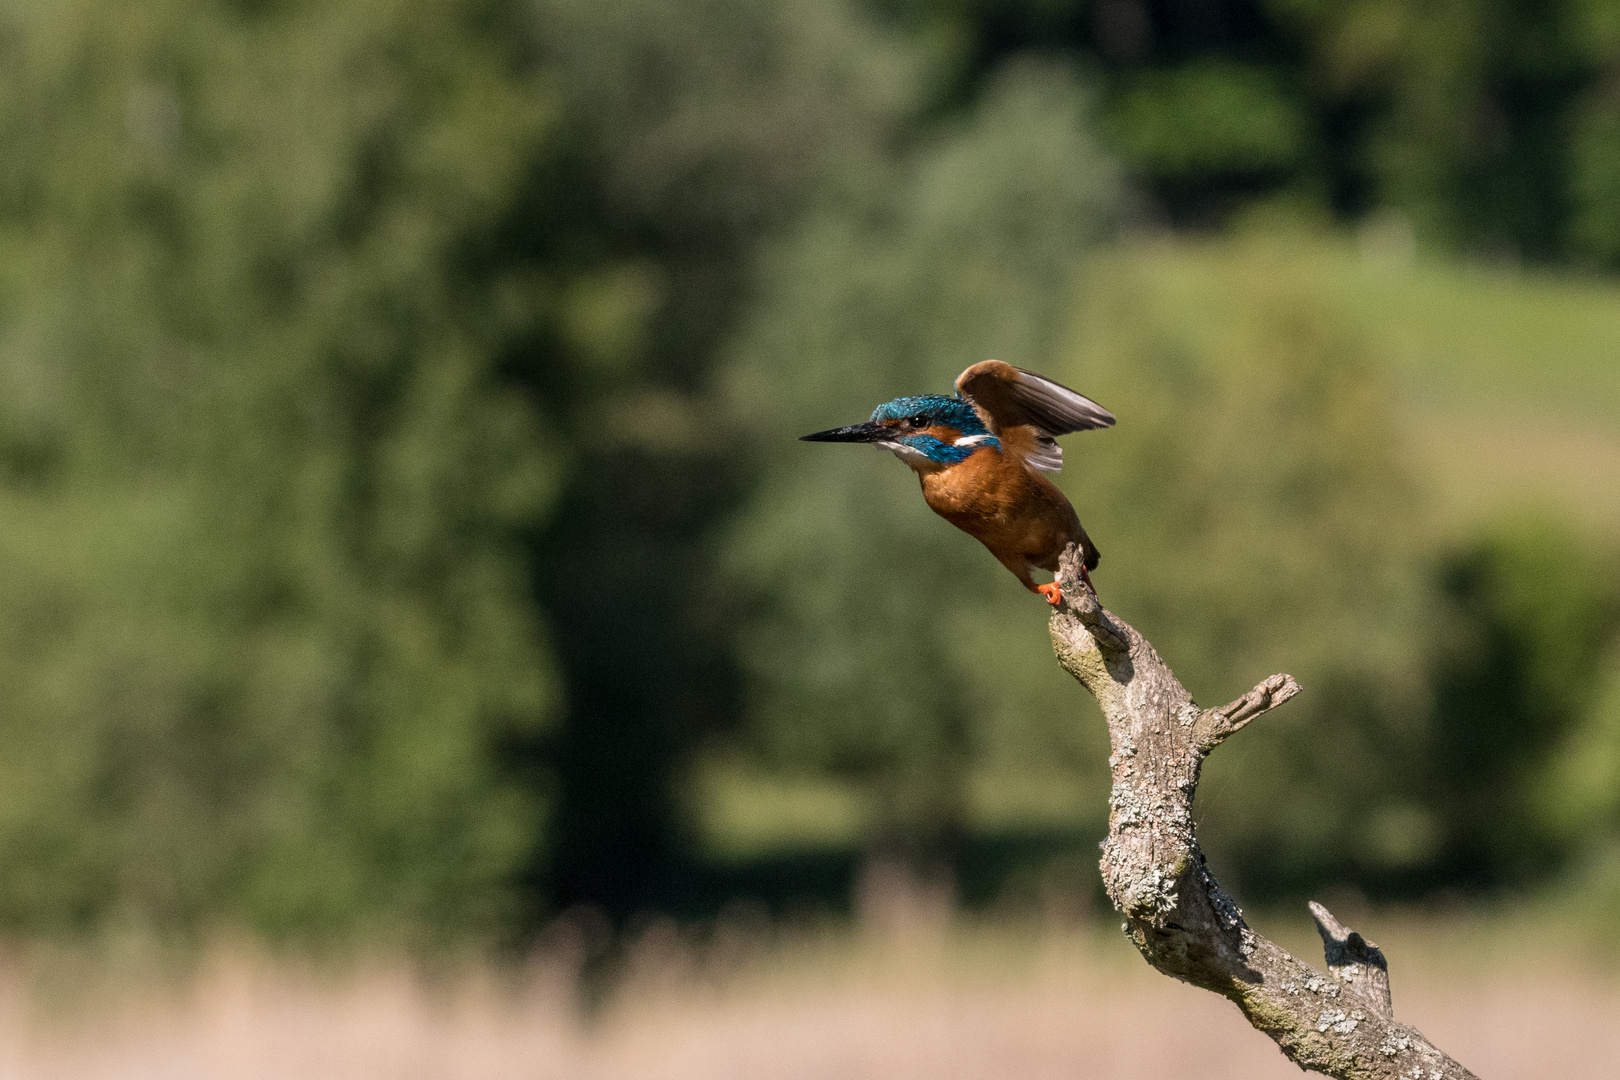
(941, 410)
(908, 426)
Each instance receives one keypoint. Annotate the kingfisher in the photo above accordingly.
(980, 456)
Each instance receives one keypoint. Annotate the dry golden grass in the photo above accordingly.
(907, 997)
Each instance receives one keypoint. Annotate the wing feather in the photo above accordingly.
(1007, 397)
(1047, 455)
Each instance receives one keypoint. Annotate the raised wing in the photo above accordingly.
(1006, 397)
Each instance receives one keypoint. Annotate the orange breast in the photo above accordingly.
(1012, 510)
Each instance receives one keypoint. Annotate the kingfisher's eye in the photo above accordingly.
(919, 421)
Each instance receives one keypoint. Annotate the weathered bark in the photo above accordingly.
(1341, 1023)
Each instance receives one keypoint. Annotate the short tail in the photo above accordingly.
(1089, 550)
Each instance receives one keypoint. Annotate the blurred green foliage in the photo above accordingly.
(1204, 118)
(868, 621)
(1257, 501)
(1527, 618)
(399, 508)
(264, 611)
(1267, 519)
(692, 133)
(1491, 125)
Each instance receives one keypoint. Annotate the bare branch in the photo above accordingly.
(1215, 725)
(1154, 870)
(1354, 961)
(1083, 602)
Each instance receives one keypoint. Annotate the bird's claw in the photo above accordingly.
(1051, 591)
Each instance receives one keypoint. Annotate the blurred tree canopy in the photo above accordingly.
(397, 487)
(1492, 125)
(1261, 512)
(866, 614)
(348, 347)
(693, 133)
(264, 609)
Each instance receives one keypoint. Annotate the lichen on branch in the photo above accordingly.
(1340, 1023)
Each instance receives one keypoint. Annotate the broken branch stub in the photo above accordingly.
(1339, 1024)
(1354, 961)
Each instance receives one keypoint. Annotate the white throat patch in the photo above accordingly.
(911, 456)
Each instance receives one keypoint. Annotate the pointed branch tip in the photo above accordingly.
(1354, 961)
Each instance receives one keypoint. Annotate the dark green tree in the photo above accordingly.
(266, 614)
(695, 133)
(1529, 613)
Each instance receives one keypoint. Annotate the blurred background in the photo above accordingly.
(419, 622)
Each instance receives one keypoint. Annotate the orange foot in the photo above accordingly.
(1051, 591)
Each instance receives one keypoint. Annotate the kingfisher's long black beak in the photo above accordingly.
(868, 432)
